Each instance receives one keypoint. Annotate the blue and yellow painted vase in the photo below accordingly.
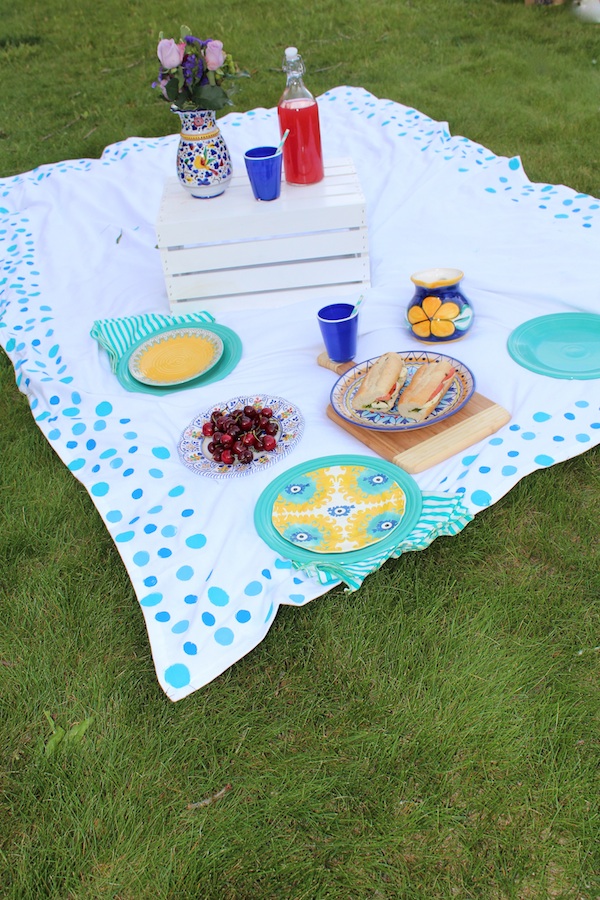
(439, 312)
(203, 161)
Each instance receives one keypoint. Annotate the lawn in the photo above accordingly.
(454, 753)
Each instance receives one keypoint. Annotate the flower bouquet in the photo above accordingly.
(195, 73)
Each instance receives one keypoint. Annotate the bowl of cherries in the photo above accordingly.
(240, 435)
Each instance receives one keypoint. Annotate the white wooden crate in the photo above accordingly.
(234, 252)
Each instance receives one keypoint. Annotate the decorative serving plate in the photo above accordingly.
(459, 392)
(193, 444)
(338, 507)
(560, 345)
(175, 356)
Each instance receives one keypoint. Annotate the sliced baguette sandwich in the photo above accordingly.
(427, 387)
(382, 383)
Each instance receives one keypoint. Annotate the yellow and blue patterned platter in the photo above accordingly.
(338, 506)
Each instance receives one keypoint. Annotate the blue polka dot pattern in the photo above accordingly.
(202, 604)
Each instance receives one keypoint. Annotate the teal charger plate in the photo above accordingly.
(263, 511)
(232, 353)
(560, 345)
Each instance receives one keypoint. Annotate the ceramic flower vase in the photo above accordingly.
(438, 312)
(203, 161)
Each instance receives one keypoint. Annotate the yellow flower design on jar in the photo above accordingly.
(439, 311)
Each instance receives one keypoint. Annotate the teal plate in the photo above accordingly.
(561, 345)
(232, 353)
(377, 473)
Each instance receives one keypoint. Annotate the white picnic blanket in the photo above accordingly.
(77, 244)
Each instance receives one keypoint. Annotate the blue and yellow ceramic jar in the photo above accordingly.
(439, 312)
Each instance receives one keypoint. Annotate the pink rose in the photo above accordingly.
(214, 55)
(169, 53)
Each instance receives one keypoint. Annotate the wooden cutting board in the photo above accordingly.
(415, 451)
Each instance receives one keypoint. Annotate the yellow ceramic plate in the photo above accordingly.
(339, 508)
(175, 356)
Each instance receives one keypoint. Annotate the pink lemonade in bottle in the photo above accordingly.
(298, 111)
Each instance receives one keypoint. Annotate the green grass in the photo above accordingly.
(436, 734)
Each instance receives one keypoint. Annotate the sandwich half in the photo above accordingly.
(427, 387)
(382, 383)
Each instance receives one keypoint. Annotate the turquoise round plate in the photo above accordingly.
(230, 357)
(561, 345)
(345, 493)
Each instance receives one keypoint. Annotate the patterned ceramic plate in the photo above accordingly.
(175, 356)
(193, 445)
(459, 392)
(338, 507)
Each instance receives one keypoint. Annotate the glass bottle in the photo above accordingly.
(298, 111)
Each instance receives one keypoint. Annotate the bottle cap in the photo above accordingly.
(291, 53)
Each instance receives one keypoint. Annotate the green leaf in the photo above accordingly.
(76, 732)
(50, 721)
(54, 741)
(172, 89)
(209, 96)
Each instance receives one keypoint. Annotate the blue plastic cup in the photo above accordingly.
(339, 328)
(263, 165)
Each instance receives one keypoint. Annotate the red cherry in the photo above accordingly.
(208, 429)
(227, 457)
(227, 440)
(269, 442)
(267, 412)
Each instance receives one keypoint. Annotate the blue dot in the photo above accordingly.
(104, 408)
(156, 473)
(582, 438)
(71, 411)
(114, 515)
(133, 450)
(190, 648)
(595, 425)
(180, 627)
(100, 425)
(266, 574)
(481, 498)
(569, 416)
(106, 454)
(196, 541)
(191, 598)
(162, 616)
(528, 436)
(54, 434)
(90, 444)
(161, 452)
(513, 453)
(187, 512)
(513, 163)
(150, 581)
(116, 463)
(137, 493)
(168, 531)
(514, 427)
(558, 438)
(54, 401)
(509, 470)
(141, 558)
(185, 573)
(269, 613)
(100, 489)
(495, 442)
(149, 529)
(78, 428)
(71, 444)
(541, 417)
(297, 598)
(76, 464)
(164, 552)
(243, 616)
(223, 636)
(467, 460)
(581, 403)
(543, 460)
(178, 676)
(128, 472)
(283, 564)
(176, 491)
(252, 589)
(151, 599)
(217, 596)
(484, 469)
(125, 536)
(154, 510)
(208, 619)
(130, 435)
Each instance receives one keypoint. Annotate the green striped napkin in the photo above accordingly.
(118, 335)
(442, 514)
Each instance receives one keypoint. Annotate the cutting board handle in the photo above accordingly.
(338, 367)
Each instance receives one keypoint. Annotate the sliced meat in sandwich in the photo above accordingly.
(382, 383)
(427, 387)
